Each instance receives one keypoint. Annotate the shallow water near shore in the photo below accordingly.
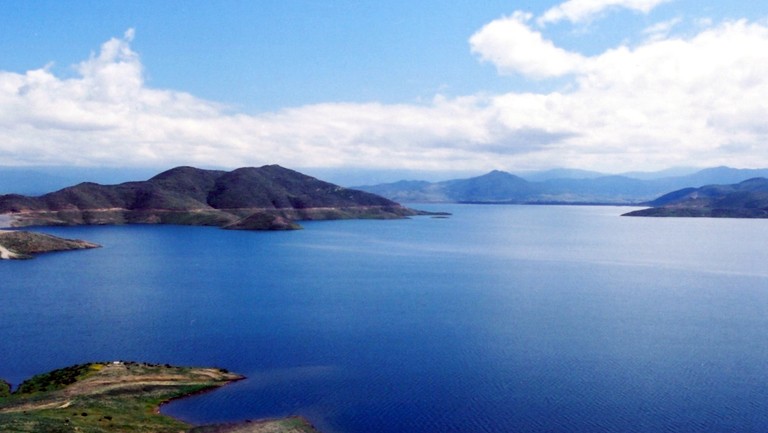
(497, 319)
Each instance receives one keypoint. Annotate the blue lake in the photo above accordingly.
(497, 319)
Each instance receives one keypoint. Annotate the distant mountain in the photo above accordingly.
(661, 174)
(576, 187)
(492, 187)
(747, 199)
(561, 173)
(606, 189)
(724, 175)
(269, 197)
(496, 186)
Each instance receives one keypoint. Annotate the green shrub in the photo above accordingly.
(5, 389)
(54, 380)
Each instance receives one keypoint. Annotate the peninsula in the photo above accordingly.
(24, 245)
(264, 198)
(111, 397)
(747, 199)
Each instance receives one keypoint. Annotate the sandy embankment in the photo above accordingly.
(4, 253)
(5, 221)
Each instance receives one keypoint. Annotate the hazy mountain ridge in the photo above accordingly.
(40, 180)
(268, 197)
(747, 199)
(579, 187)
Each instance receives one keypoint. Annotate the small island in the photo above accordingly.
(110, 397)
(24, 245)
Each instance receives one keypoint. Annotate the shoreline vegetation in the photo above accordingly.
(110, 397)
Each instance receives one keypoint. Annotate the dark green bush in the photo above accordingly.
(54, 380)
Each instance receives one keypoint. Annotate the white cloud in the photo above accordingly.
(669, 101)
(578, 11)
(661, 30)
(511, 45)
(109, 116)
(677, 99)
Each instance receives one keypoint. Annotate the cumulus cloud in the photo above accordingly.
(698, 100)
(511, 45)
(578, 11)
(107, 115)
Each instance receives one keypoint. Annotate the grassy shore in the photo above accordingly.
(118, 397)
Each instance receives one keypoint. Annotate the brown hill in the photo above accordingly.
(264, 198)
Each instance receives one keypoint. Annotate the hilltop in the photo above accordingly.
(747, 199)
(264, 198)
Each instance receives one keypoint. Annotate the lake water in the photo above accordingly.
(497, 319)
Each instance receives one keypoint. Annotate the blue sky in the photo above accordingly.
(266, 55)
(429, 86)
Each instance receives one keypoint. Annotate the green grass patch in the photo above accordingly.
(117, 397)
(103, 398)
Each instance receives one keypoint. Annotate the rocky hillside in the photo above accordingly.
(265, 198)
(748, 199)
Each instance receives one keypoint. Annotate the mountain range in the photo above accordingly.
(558, 186)
(269, 197)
